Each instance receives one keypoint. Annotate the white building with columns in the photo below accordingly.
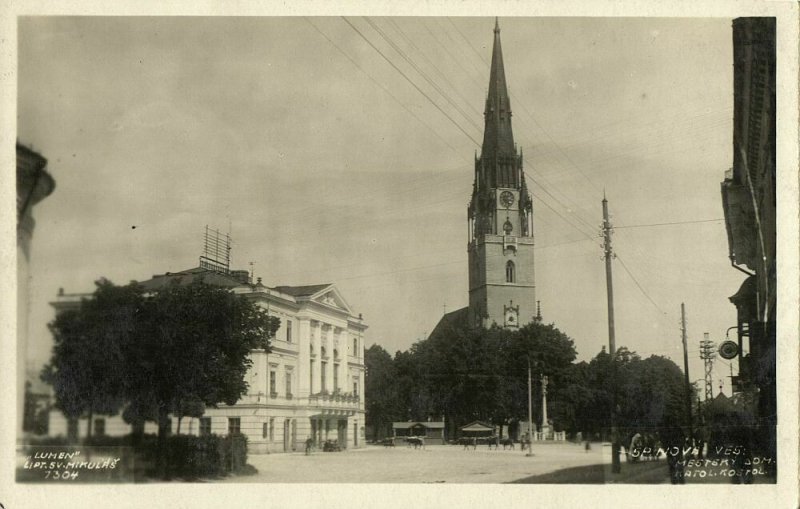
(310, 385)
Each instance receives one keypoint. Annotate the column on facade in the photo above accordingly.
(314, 357)
(341, 347)
(329, 361)
(303, 340)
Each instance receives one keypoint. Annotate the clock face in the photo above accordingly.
(507, 198)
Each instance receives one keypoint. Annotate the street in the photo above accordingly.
(433, 464)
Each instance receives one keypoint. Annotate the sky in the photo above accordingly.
(327, 148)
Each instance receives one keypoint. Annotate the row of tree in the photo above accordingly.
(152, 354)
(465, 374)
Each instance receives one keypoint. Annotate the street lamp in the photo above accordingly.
(530, 412)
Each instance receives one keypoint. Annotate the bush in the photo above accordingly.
(59, 440)
(190, 456)
(187, 456)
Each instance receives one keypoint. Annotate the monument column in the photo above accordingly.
(545, 425)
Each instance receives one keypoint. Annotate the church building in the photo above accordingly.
(502, 289)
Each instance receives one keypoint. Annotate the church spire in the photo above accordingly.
(498, 138)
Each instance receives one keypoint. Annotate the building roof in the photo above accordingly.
(476, 426)
(302, 291)
(227, 280)
(187, 277)
(427, 424)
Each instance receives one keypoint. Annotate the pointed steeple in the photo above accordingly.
(497, 136)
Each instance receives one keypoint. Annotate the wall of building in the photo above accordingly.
(492, 292)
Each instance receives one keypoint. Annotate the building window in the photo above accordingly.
(205, 426)
(288, 384)
(273, 383)
(311, 375)
(271, 429)
(288, 331)
(323, 366)
(265, 430)
(355, 347)
(510, 272)
(234, 425)
(100, 427)
(335, 377)
(355, 387)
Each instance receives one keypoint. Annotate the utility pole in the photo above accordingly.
(609, 253)
(530, 413)
(689, 389)
(707, 353)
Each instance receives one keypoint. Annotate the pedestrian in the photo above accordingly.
(588, 446)
(309, 443)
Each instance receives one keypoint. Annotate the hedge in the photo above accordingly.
(188, 456)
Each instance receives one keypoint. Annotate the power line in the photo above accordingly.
(674, 222)
(422, 73)
(638, 285)
(343, 52)
(404, 75)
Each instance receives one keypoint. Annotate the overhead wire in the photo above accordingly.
(409, 80)
(422, 73)
(386, 90)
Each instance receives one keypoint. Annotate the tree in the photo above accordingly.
(650, 393)
(549, 352)
(193, 345)
(653, 394)
(167, 352)
(87, 366)
(380, 393)
(470, 373)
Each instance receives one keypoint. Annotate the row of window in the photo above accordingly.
(289, 338)
(273, 379)
(273, 383)
(323, 379)
(235, 426)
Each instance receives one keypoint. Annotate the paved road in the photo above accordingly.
(434, 464)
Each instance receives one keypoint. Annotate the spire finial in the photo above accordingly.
(496, 25)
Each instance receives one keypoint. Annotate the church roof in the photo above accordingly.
(497, 135)
(450, 320)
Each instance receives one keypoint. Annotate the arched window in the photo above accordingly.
(510, 276)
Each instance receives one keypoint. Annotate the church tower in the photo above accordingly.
(500, 217)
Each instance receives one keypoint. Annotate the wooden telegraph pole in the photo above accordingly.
(686, 370)
(609, 253)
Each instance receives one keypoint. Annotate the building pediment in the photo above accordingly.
(330, 296)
